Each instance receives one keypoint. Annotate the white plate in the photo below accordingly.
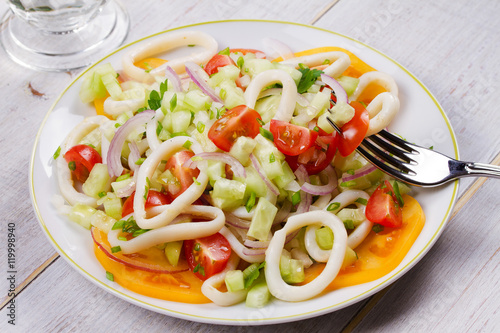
(421, 120)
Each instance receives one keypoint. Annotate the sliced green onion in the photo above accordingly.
(72, 165)
(122, 238)
(101, 194)
(140, 161)
(351, 171)
(333, 206)
(349, 183)
(225, 51)
(196, 181)
(197, 247)
(123, 177)
(173, 102)
(261, 122)
(362, 201)
(296, 198)
(110, 276)
(250, 202)
(398, 194)
(240, 62)
(272, 158)
(265, 133)
(349, 224)
(187, 144)
(378, 228)
(57, 153)
(115, 249)
(159, 128)
(118, 225)
(200, 127)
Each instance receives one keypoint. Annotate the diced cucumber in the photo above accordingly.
(286, 177)
(242, 148)
(113, 206)
(93, 86)
(254, 182)
(231, 94)
(319, 103)
(258, 296)
(102, 221)
(324, 238)
(341, 113)
(168, 101)
(294, 73)
(180, 120)
(93, 139)
(262, 220)
(121, 184)
(349, 258)
(98, 181)
(292, 270)
(81, 214)
(215, 171)
(112, 86)
(363, 182)
(267, 107)
(173, 252)
(228, 189)
(253, 67)
(196, 101)
(351, 214)
(348, 83)
(353, 161)
(227, 203)
(229, 72)
(234, 281)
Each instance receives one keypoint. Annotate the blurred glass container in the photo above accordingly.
(61, 35)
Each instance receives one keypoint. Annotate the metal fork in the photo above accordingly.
(414, 164)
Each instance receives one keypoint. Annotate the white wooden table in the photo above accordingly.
(452, 46)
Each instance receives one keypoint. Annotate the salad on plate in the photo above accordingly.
(216, 177)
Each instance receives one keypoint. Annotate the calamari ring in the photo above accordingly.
(239, 248)
(209, 287)
(288, 97)
(279, 288)
(165, 43)
(172, 232)
(382, 110)
(383, 79)
(193, 192)
(340, 61)
(64, 178)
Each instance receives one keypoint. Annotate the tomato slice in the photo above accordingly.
(355, 130)
(155, 198)
(81, 159)
(316, 158)
(383, 207)
(184, 175)
(291, 139)
(258, 53)
(239, 121)
(208, 255)
(218, 60)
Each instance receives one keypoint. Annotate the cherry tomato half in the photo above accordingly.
(208, 255)
(184, 175)
(218, 60)
(355, 130)
(383, 207)
(290, 139)
(155, 198)
(81, 159)
(239, 121)
(316, 158)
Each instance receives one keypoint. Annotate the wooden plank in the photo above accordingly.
(62, 300)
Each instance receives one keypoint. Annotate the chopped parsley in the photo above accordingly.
(309, 77)
(250, 202)
(115, 249)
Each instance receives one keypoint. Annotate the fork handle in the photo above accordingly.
(481, 170)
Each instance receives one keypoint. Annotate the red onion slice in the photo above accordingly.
(256, 244)
(253, 252)
(194, 72)
(174, 79)
(236, 166)
(359, 173)
(126, 191)
(283, 212)
(237, 222)
(263, 176)
(336, 87)
(305, 198)
(278, 47)
(322, 189)
(115, 167)
(133, 156)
